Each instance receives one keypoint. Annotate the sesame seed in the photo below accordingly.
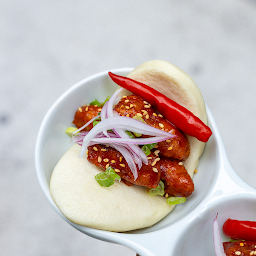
(120, 159)
(103, 149)
(160, 115)
(147, 106)
(86, 109)
(99, 109)
(170, 148)
(180, 163)
(145, 102)
(241, 244)
(145, 112)
(155, 170)
(107, 166)
(161, 125)
(154, 114)
(131, 105)
(122, 106)
(99, 159)
(147, 116)
(238, 253)
(139, 114)
(124, 96)
(126, 101)
(95, 149)
(105, 160)
(150, 157)
(157, 152)
(113, 161)
(168, 140)
(195, 171)
(155, 161)
(80, 109)
(166, 195)
(122, 165)
(128, 115)
(95, 106)
(251, 253)
(127, 107)
(117, 170)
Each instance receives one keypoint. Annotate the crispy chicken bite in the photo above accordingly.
(240, 248)
(177, 181)
(133, 105)
(103, 157)
(85, 114)
(175, 177)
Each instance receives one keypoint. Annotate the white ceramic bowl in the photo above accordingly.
(185, 231)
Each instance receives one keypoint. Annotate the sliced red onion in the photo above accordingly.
(103, 113)
(139, 155)
(218, 245)
(103, 116)
(125, 123)
(128, 157)
(111, 102)
(135, 141)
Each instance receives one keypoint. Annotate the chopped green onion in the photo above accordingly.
(95, 122)
(159, 190)
(176, 200)
(107, 178)
(70, 130)
(146, 148)
(139, 118)
(130, 134)
(105, 101)
(95, 102)
(99, 104)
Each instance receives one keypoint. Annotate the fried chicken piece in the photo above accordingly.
(85, 114)
(176, 179)
(240, 248)
(102, 156)
(177, 148)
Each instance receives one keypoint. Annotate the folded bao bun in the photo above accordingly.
(180, 87)
(121, 208)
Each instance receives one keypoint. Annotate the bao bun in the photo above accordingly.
(121, 208)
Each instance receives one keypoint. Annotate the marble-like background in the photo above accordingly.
(47, 46)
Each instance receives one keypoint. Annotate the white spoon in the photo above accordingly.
(185, 231)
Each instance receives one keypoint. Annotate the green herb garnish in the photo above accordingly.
(159, 190)
(147, 148)
(176, 200)
(107, 178)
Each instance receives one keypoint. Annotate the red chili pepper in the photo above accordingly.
(181, 117)
(237, 229)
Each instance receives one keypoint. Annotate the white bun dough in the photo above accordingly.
(180, 87)
(121, 208)
(83, 201)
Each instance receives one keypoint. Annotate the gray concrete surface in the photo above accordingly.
(47, 46)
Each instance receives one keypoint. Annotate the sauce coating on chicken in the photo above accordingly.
(241, 248)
